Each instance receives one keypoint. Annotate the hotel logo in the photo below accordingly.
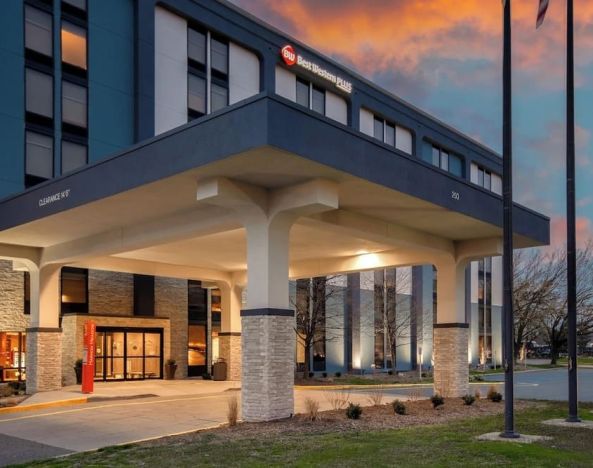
(291, 58)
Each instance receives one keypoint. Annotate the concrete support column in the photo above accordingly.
(451, 332)
(267, 324)
(229, 338)
(44, 337)
(268, 337)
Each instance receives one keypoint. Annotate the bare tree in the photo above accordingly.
(317, 319)
(392, 311)
(553, 317)
(536, 280)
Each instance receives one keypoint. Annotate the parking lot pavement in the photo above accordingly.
(550, 384)
(17, 450)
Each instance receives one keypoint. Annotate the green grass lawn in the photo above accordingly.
(587, 360)
(439, 445)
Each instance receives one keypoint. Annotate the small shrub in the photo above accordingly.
(338, 399)
(324, 375)
(353, 411)
(311, 375)
(390, 372)
(437, 400)
(232, 411)
(468, 399)
(399, 407)
(171, 362)
(376, 396)
(476, 378)
(78, 363)
(311, 409)
(424, 375)
(494, 395)
(338, 374)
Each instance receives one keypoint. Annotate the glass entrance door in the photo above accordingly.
(128, 354)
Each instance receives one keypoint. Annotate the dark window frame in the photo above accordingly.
(74, 307)
(144, 296)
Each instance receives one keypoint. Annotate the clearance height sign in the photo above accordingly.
(291, 58)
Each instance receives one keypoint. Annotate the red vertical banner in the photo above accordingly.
(88, 356)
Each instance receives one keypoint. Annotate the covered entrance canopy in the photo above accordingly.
(249, 196)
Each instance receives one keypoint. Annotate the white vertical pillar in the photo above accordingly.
(451, 332)
(44, 337)
(267, 323)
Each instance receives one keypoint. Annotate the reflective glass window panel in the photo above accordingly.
(196, 94)
(302, 93)
(455, 165)
(436, 156)
(73, 45)
(74, 286)
(219, 56)
(220, 97)
(196, 46)
(74, 104)
(152, 344)
(378, 129)
(390, 135)
(196, 345)
(444, 160)
(38, 31)
(318, 102)
(80, 4)
(481, 177)
(487, 180)
(39, 93)
(152, 368)
(74, 156)
(39, 155)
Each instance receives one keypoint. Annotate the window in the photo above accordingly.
(389, 133)
(220, 97)
(196, 46)
(13, 347)
(38, 31)
(197, 345)
(27, 293)
(318, 101)
(219, 56)
(196, 95)
(302, 92)
(74, 156)
(39, 165)
(74, 104)
(486, 179)
(73, 45)
(79, 4)
(310, 96)
(444, 159)
(208, 82)
(74, 287)
(144, 295)
(39, 93)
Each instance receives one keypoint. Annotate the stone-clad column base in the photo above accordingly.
(451, 369)
(230, 351)
(267, 377)
(44, 359)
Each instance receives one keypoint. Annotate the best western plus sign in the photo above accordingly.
(291, 58)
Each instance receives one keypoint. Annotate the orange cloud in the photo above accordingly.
(584, 230)
(401, 35)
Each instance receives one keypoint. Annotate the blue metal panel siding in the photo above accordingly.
(12, 99)
(111, 76)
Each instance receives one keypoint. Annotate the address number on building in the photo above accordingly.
(455, 195)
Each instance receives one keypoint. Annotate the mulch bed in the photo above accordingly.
(419, 413)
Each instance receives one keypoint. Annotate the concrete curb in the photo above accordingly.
(375, 386)
(47, 404)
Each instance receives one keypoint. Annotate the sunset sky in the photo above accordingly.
(444, 56)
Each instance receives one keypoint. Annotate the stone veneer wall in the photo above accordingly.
(451, 368)
(111, 293)
(230, 351)
(72, 337)
(170, 301)
(12, 298)
(267, 376)
(44, 351)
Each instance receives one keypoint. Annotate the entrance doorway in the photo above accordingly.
(129, 354)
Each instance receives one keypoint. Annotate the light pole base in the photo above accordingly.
(573, 419)
(510, 435)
